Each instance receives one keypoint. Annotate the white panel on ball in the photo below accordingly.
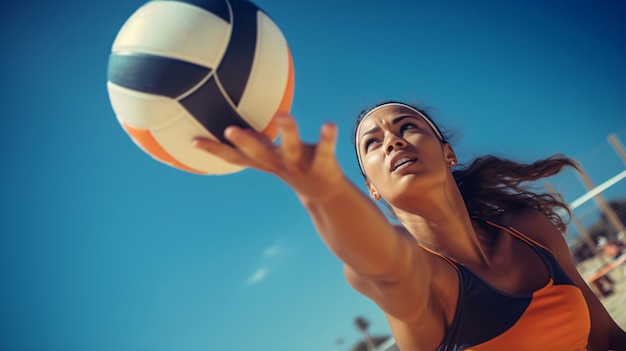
(141, 110)
(268, 77)
(176, 30)
(176, 138)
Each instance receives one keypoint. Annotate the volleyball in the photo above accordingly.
(185, 69)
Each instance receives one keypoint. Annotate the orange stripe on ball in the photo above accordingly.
(285, 104)
(146, 140)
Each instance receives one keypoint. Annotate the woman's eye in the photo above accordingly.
(369, 143)
(407, 126)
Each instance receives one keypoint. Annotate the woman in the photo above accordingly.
(457, 273)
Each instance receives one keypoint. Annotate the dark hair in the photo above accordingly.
(491, 185)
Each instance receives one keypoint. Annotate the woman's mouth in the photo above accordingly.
(401, 162)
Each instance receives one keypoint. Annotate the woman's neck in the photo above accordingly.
(445, 226)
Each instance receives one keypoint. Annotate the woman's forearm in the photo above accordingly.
(355, 230)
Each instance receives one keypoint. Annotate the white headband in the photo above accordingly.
(358, 129)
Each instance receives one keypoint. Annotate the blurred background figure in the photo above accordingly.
(614, 250)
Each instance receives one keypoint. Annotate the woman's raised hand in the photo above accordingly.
(311, 170)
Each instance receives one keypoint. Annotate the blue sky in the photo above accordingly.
(103, 248)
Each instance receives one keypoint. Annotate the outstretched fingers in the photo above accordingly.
(291, 145)
(256, 147)
(291, 159)
(327, 144)
(223, 151)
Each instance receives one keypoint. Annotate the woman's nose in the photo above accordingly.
(394, 142)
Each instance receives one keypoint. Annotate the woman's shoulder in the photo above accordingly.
(534, 224)
(521, 216)
(428, 279)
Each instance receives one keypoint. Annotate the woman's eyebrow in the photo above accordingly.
(398, 119)
(373, 130)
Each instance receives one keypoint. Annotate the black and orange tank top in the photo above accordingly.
(554, 317)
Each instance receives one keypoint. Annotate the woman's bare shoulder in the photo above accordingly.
(534, 224)
(406, 298)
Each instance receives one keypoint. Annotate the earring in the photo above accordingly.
(453, 162)
(376, 196)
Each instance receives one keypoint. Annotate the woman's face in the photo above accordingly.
(399, 150)
(610, 250)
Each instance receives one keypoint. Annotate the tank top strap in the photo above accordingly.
(452, 262)
(514, 232)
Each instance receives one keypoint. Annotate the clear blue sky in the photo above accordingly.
(103, 248)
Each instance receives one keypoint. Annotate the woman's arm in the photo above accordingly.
(605, 333)
(350, 224)
(382, 261)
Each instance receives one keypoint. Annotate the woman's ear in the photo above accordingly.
(449, 155)
(372, 190)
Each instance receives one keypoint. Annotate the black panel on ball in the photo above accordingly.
(217, 7)
(209, 107)
(154, 74)
(236, 64)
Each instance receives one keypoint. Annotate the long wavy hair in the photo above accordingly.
(492, 185)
